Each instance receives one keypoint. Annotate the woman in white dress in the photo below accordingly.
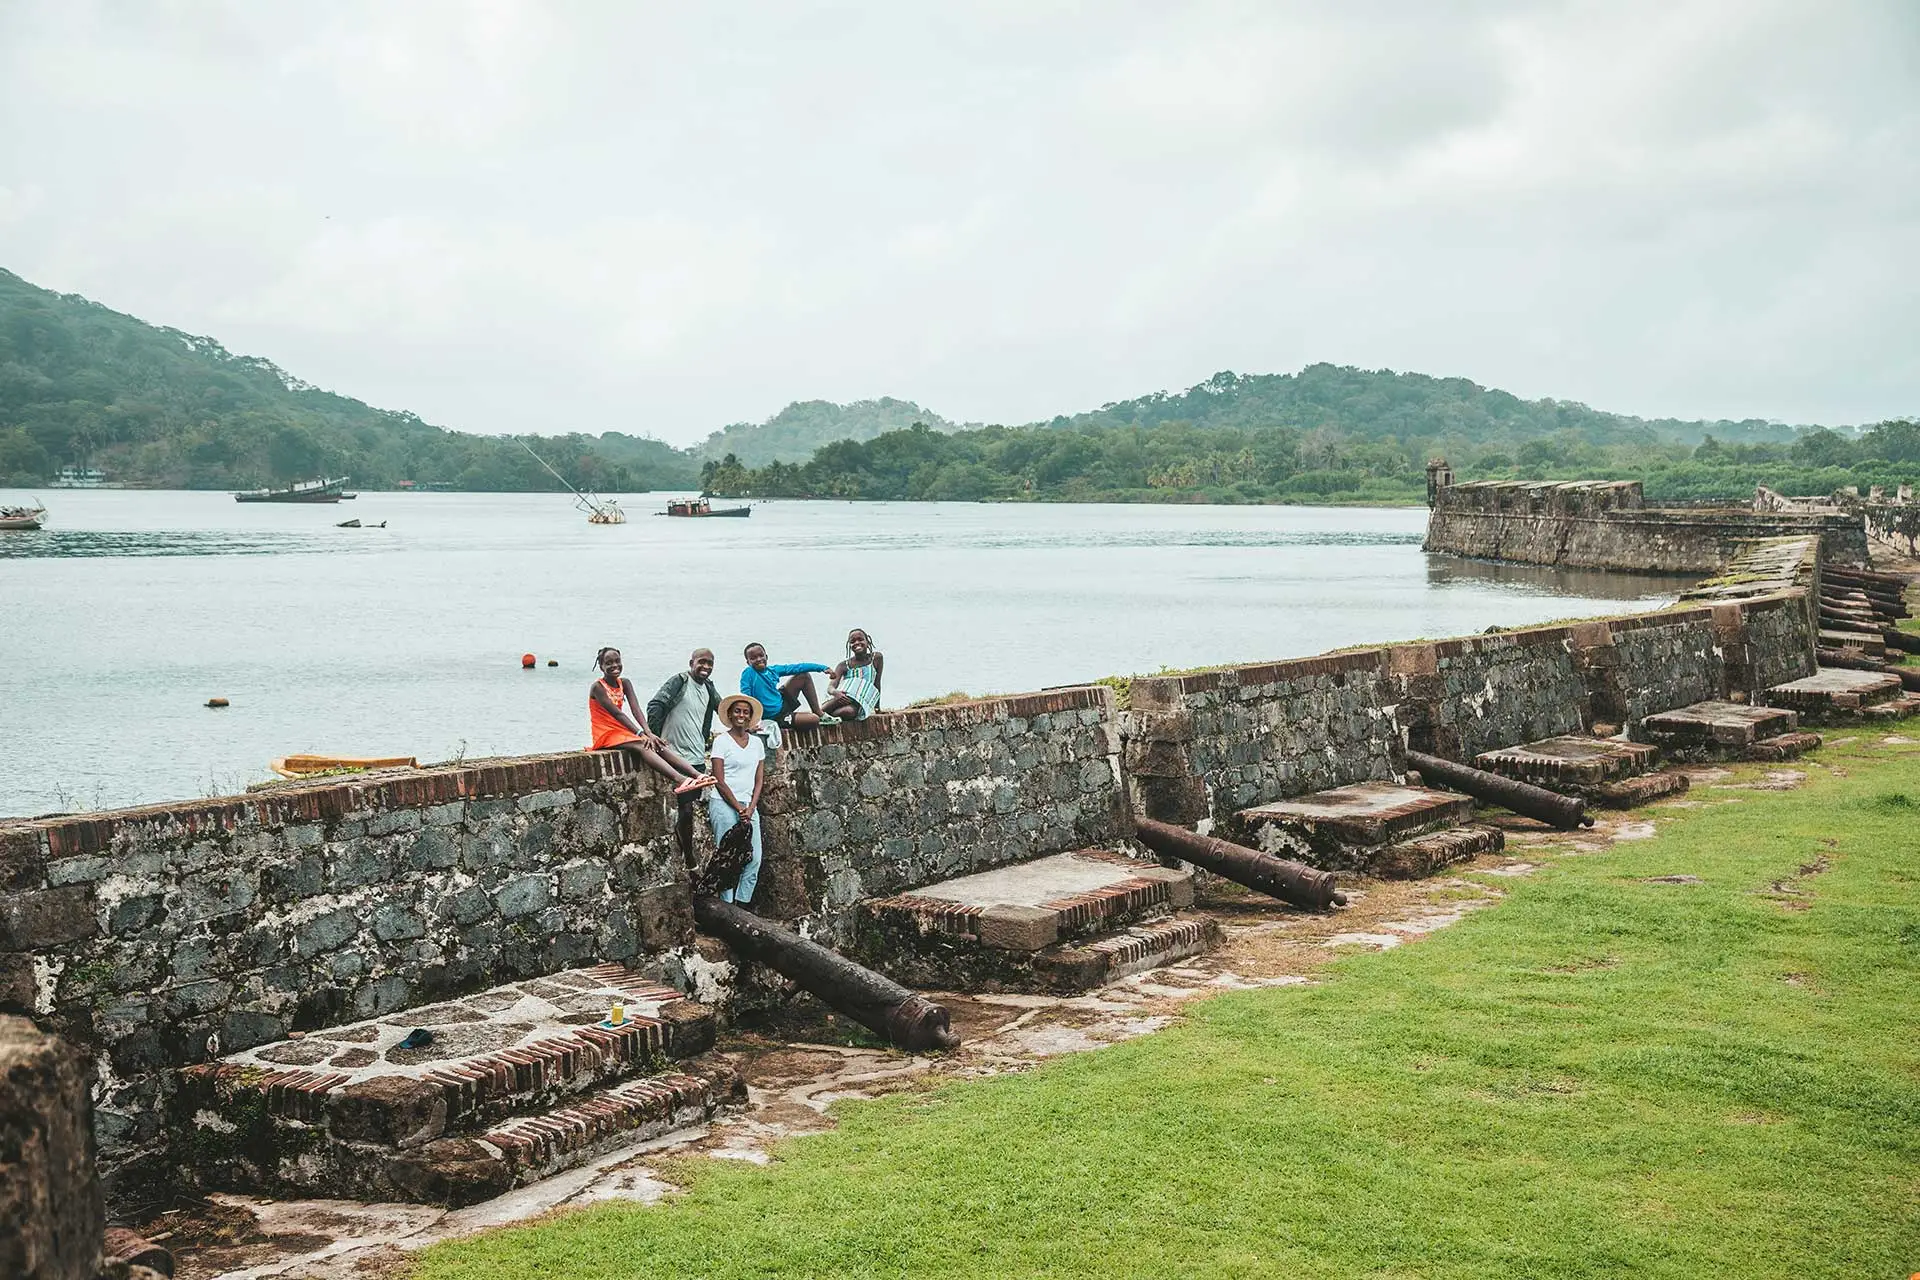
(739, 768)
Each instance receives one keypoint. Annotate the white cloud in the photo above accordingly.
(514, 214)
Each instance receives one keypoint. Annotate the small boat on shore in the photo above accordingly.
(23, 519)
(328, 490)
(701, 507)
(307, 765)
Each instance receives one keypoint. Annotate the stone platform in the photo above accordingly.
(1378, 828)
(1868, 644)
(519, 1081)
(1069, 922)
(1727, 731)
(1840, 695)
(1606, 771)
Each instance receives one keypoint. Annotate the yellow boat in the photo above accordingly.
(307, 766)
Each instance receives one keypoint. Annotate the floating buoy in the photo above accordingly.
(526, 661)
(553, 662)
(216, 702)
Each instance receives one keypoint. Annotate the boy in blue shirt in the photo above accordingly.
(780, 688)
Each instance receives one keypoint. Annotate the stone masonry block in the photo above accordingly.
(52, 1217)
(46, 918)
(1017, 928)
(393, 1111)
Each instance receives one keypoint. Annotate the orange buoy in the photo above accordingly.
(216, 702)
(526, 660)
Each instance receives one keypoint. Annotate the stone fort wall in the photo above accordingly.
(1200, 747)
(164, 936)
(1604, 524)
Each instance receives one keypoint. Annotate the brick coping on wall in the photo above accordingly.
(1151, 693)
(64, 835)
(320, 800)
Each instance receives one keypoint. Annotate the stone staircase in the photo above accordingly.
(1728, 731)
(1611, 772)
(1066, 923)
(1838, 695)
(519, 1082)
(1384, 829)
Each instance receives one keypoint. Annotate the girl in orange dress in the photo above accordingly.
(610, 705)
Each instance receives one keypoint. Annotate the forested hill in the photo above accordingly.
(153, 406)
(80, 385)
(1329, 434)
(1373, 404)
(796, 431)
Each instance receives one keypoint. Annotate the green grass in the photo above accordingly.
(1600, 1077)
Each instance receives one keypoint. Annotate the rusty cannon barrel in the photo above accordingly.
(906, 1018)
(1294, 883)
(1523, 798)
(1904, 640)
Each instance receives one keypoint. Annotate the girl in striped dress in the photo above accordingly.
(854, 693)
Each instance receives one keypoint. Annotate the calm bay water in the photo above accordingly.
(123, 618)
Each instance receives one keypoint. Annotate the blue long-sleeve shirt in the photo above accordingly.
(764, 685)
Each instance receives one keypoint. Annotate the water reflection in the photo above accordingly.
(58, 544)
(1551, 580)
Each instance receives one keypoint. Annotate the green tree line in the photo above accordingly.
(1182, 462)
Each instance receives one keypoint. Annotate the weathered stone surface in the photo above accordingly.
(1604, 524)
(394, 1111)
(909, 797)
(44, 918)
(1018, 928)
(452, 1172)
(51, 1213)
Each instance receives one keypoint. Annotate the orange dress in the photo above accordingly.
(608, 729)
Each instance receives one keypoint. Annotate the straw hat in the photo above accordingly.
(727, 703)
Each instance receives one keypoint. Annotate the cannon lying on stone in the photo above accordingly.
(1523, 798)
(1293, 883)
(906, 1018)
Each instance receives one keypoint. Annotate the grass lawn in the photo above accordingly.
(1603, 1076)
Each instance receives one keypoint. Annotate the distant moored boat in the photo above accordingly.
(304, 491)
(23, 519)
(701, 507)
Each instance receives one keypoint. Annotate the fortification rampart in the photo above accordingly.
(1608, 525)
(1200, 747)
(166, 936)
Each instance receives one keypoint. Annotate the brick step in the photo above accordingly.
(1347, 828)
(1092, 964)
(1868, 644)
(1716, 730)
(1900, 708)
(324, 1112)
(538, 1146)
(1786, 746)
(1573, 764)
(988, 931)
(1631, 793)
(1839, 694)
(1421, 856)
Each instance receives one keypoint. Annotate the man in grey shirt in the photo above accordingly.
(681, 711)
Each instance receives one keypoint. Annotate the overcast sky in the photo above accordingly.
(543, 216)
